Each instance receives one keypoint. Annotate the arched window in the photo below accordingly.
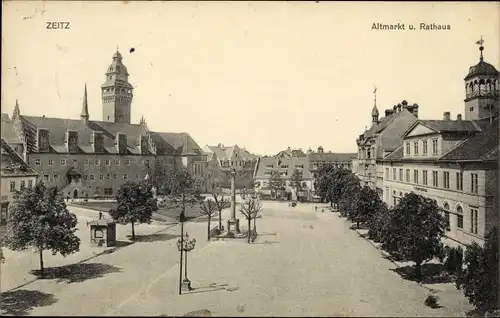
(446, 208)
(460, 217)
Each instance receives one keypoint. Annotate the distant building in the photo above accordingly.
(16, 175)
(84, 157)
(290, 153)
(220, 162)
(454, 162)
(383, 137)
(340, 160)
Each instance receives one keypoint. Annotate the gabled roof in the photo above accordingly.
(481, 146)
(182, 143)
(442, 126)
(292, 164)
(288, 153)
(331, 156)
(12, 165)
(383, 123)
(224, 153)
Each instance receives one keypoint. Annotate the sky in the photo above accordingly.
(263, 75)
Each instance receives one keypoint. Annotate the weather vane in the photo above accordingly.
(481, 47)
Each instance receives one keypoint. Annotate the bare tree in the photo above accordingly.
(221, 203)
(209, 209)
(250, 209)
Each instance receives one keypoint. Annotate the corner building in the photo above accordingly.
(83, 157)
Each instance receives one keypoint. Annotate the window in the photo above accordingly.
(435, 181)
(75, 162)
(125, 176)
(30, 184)
(473, 183)
(98, 234)
(387, 173)
(46, 177)
(424, 177)
(37, 162)
(12, 186)
(56, 177)
(137, 176)
(460, 218)
(113, 175)
(101, 177)
(51, 162)
(86, 162)
(91, 177)
(415, 147)
(400, 174)
(85, 177)
(284, 166)
(394, 174)
(127, 162)
(269, 166)
(415, 176)
(368, 153)
(108, 191)
(108, 176)
(471, 109)
(97, 162)
(473, 221)
(460, 181)
(446, 208)
(446, 180)
(407, 175)
(147, 163)
(434, 146)
(107, 162)
(117, 162)
(407, 148)
(424, 147)
(63, 162)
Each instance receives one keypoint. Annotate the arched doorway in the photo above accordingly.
(75, 194)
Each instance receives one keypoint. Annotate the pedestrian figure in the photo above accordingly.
(316, 208)
(100, 215)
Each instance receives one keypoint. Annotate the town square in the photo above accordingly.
(312, 159)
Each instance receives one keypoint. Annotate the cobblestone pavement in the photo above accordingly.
(304, 263)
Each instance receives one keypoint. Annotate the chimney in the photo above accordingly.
(446, 116)
(459, 117)
(399, 108)
(389, 112)
(320, 149)
(395, 108)
(405, 104)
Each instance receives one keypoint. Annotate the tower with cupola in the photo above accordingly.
(481, 89)
(116, 92)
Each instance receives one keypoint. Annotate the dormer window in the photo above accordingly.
(98, 142)
(122, 143)
(43, 140)
(144, 144)
(72, 140)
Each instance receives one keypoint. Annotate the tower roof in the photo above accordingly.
(85, 107)
(482, 68)
(375, 110)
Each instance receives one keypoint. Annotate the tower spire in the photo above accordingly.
(481, 48)
(16, 112)
(85, 107)
(375, 109)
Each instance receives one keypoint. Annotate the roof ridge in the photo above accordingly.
(456, 146)
(490, 152)
(401, 146)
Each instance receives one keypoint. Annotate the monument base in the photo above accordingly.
(233, 226)
(186, 285)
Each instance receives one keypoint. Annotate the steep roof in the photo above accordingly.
(182, 143)
(292, 164)
(396, 154)
(450, 125)
(331, 156)
(481, 69)
(8, 132)
(226, 153)
(12, 165)
(481, 146)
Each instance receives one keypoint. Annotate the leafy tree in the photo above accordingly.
(209, 209)
(182, 192)
(367, 204)
(415, 228)
(40, 219)
(322, 180)
(346, 191)
(221, 203)
(250, 209)
(378, 225)
(479, 280)
(276, 182)
(296, 180)
(134, 204)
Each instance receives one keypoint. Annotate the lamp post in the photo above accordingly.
(184, 244)
(233, 224)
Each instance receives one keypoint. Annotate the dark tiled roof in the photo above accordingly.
(482, 146)
(12, 165)
(331, 156)
(182, 143)
(450, 125)
(8, 132)
(395, 155)
(481, 68)
(291, 162)
(226, 153)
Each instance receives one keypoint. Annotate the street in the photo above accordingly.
(303, 263)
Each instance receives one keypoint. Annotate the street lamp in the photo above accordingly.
(184, 244)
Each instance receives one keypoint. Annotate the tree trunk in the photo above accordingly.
(42, 270)
(418, 270)
(133, 231)
(249, 230)
(357, 223)
(208, 228)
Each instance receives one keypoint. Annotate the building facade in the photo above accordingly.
(339, 160)
(84, 157)
(383, 137)
(221, 160)
(16, 175)
(454, 162)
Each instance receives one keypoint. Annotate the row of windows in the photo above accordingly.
(425, 147)
(96, 162)
(459, 184)
(108, 176)
(22, 185)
